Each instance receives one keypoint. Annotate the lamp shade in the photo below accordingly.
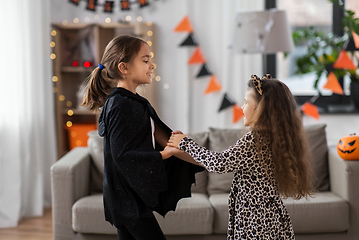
(262, 32)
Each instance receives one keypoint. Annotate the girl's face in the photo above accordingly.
(141, 68)
(249, 107)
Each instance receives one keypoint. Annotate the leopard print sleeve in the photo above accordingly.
(230, 160)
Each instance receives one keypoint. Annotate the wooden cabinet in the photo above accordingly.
(77, 49)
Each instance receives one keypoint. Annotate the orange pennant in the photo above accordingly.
(213, 85)
(333, 84)
(197, 57)
(356, 39)
(184, 26)
(310, 110)
(237, 113)
(344, 62)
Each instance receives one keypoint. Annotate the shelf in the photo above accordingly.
(80, 111)
(76, 69)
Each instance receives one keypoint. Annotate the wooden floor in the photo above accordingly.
(37, 228)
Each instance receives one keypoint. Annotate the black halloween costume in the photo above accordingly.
(136, 179)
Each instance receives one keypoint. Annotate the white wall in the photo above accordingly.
(183, 105)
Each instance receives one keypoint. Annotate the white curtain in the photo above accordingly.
(27, 133)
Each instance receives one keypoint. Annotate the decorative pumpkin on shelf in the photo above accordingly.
(348, 147)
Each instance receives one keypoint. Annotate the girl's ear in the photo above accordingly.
(123, 68)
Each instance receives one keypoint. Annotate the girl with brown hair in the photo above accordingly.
(140, 176)
(269, 162)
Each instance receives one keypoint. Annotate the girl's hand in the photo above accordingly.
(169, 151)
(177, 132)
(175, 139)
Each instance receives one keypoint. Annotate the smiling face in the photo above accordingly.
(249, 107)
(347, 147)
(141, 68)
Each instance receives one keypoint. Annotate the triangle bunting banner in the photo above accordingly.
(213, 85)
(204, 71)
(184, 26)
(237, 113)
(189, 41)
(197, 57)
(333, 84)
(226, 102)
(310, 110)
(344, 62)
(356, 39)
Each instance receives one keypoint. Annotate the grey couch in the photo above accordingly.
(333, 213)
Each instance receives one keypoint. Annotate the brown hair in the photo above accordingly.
(277, 113)
(101, 81)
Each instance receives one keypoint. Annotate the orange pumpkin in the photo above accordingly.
(348, 147)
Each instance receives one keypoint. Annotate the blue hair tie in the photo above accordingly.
(100, 66)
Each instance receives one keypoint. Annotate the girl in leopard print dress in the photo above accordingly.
(271, 161)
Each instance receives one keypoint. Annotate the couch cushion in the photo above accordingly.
(325, 212)
(220, 140)
(88, 216)
(192, 216)
(201, 177)
(220, 204)
(319, 148)
(95, 146)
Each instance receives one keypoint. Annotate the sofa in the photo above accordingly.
(332, 213)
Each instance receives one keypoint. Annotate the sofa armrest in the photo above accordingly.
(344, 180)
(70, 180)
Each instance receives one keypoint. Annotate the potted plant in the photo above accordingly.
(324, 49)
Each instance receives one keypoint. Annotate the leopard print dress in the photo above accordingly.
(256, 210)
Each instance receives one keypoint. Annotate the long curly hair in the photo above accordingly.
(277, 113)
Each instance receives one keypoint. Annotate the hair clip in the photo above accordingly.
(267, 76)
(100, 66)
(257, 83)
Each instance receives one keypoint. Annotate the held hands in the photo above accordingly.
(175, 139)
(172, 148)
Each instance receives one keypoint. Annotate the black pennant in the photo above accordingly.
(329, 68)
(190, 41)
(76, 2)
(350, 45)
(204, 71)
(227, 102)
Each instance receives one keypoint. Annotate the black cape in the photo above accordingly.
(136, 179)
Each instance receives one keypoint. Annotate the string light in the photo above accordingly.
(54, 79)
(108, 20)
(139, 19)
(128, 18)
(73, 134)
(166, 86)
(52, 44)
(69, 103)
(64, 22)
(55, 90)
(149, 33)
(97, 17)
(53, 56)
(76, 20)
(70, 112)
(149, 23)
(87, 19)
(149, 43)
(152, 54)
(158, 78)
(78, 143)
(53, 33)
(61, 98)
(154, 65)
(69, 124)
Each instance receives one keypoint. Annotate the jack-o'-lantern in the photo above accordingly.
(348, 147)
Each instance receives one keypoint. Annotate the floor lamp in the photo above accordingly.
(265, 32)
